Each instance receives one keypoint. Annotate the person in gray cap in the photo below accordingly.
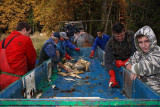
(49, 51)
(146, 60)
(63, 44)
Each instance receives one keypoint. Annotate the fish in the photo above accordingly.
(69, 74)
(77, 68)
(63, 74)
(39, 95)
(74, 75)
(79, 65)
(77, 72)
(84, 63)
(73, 60)
(87, 66)
(67, 66)
(69, 79)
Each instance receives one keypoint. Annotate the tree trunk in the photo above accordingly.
(104, 9)
(109, 11)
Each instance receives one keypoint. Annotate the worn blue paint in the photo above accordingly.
(93, 84)
(142, 90)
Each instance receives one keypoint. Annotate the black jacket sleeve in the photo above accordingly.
(109, 58)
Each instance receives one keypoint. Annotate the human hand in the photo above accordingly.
(77, 49)
(120, 63)
(128, 67)
(92, 54)
(112, 81)
(67, 56)
(134, 76)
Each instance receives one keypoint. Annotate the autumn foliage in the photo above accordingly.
(47, 13)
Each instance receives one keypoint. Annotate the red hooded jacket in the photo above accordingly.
(21, 57)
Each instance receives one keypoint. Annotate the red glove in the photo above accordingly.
(92, 54)
(112, 80)
(77, 49)
(120, 63)
(67, 56)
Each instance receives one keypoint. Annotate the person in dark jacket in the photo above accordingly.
(70, 29)
(118, 50)
(49, 51)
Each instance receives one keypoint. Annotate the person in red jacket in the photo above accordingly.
(17, 55)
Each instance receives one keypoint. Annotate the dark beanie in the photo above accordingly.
(56, 34)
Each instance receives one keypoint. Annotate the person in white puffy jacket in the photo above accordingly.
(146, 60)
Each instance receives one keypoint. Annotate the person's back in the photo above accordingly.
(20, 56)
(16, 52)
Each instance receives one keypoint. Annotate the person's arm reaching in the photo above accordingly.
(67, 56)
(50, 50)
(120, 63)
(93, 48)
(69, 45)
(62, 66)
(109, 58)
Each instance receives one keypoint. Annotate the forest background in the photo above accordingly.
(44, 15)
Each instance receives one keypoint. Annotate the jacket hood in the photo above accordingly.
(147, 31)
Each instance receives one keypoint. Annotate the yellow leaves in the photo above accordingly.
(51, 12)
(46, 12)
(13, 11)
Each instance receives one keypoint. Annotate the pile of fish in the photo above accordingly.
(77, 68)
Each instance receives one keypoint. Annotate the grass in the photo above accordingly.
(2, 36)
(38, 40)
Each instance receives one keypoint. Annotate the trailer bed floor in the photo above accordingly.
(94, 83)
